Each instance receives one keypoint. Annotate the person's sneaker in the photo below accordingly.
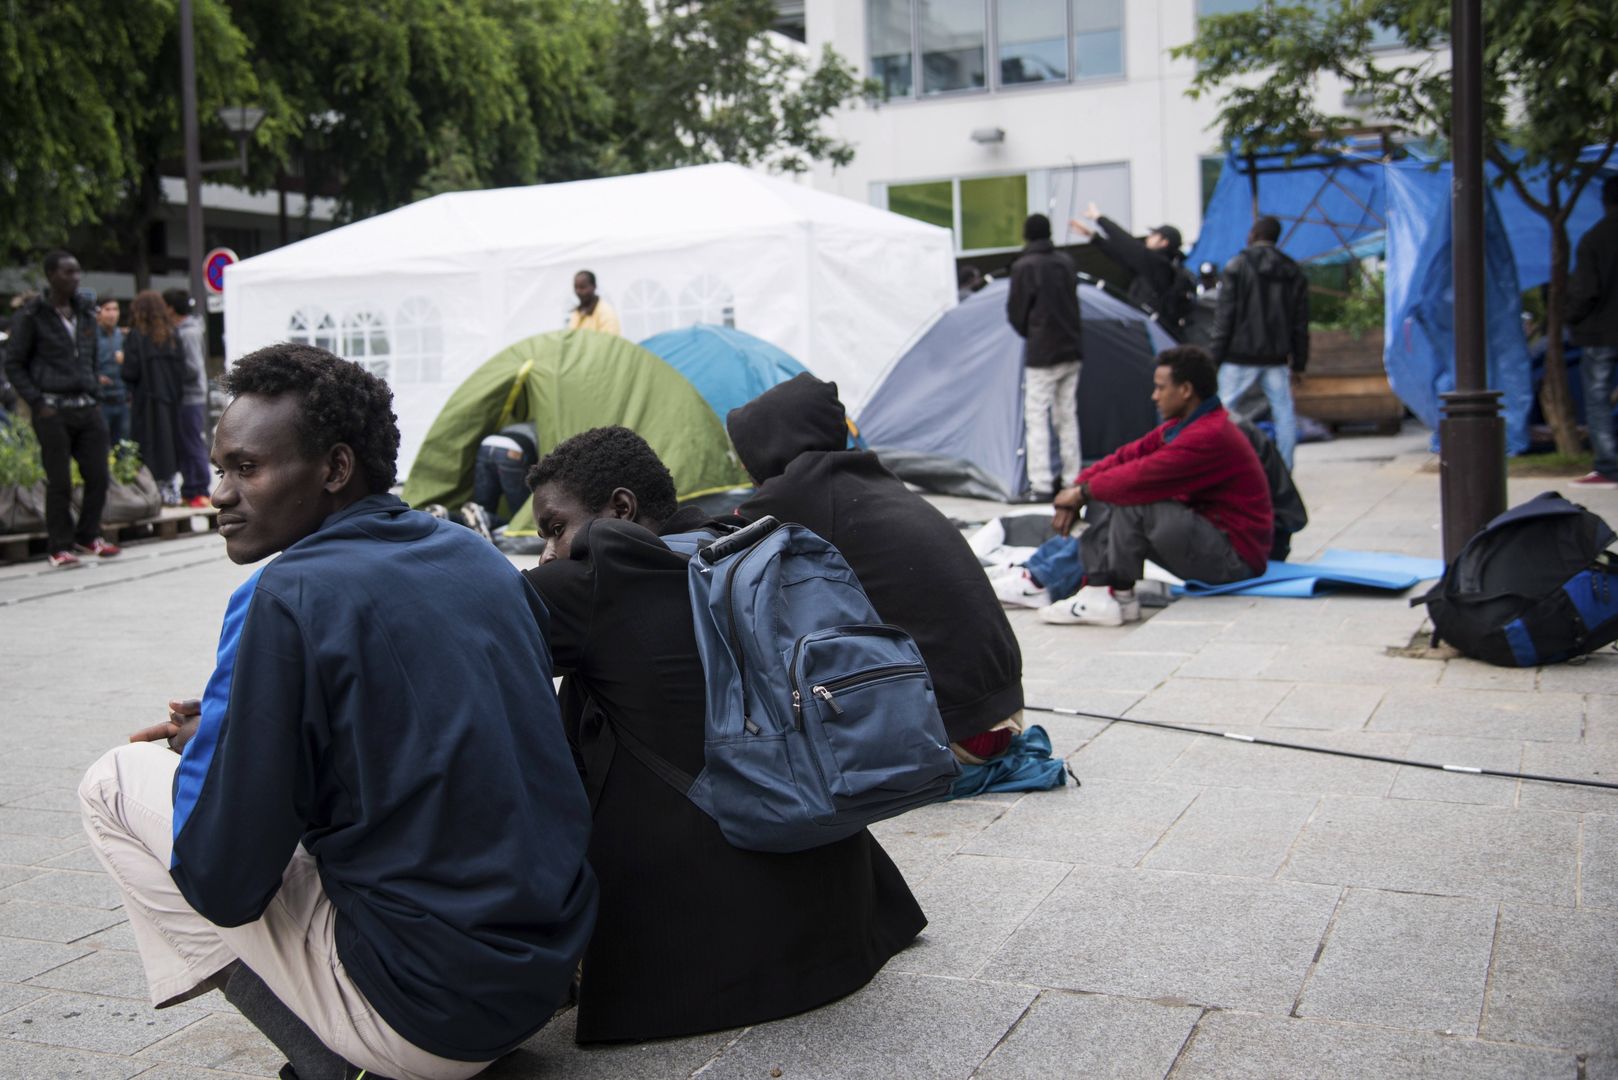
(1018, 590)
(437, 510)
(199, 502)
(98, 547)
(1595, 481)
(477, 519)
(1029, 498)
(65, 560)
(1093, 605)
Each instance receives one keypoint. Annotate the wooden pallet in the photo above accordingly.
(172, 522)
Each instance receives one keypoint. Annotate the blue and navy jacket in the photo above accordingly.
(383, 697)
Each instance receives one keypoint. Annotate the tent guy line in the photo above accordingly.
(1472, 770)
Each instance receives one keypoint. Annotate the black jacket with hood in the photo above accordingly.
(1263, 312)
(42, 357)
(915, 566)
(1043, 305)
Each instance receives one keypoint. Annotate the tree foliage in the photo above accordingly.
(1550, 87)
(386, 101)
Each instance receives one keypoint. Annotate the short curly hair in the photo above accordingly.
(340, 402)
(592, 464)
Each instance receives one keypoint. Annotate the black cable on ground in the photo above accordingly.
(1257, 741)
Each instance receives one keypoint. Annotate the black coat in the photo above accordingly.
(155, 375)
(1593, 291)
(914, 565)
(43, 358)
(1263, 311)
(1043, 305)
(692, 934)
(1154, 270)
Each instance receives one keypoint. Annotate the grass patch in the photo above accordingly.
(1548, 465)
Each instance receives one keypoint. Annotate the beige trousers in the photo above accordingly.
(128, 809)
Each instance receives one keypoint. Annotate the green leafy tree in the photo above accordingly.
(701, 82)
(89, 95)
(1550, 87)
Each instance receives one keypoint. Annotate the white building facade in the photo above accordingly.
(999, 108)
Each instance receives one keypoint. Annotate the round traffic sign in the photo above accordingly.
(213, 268)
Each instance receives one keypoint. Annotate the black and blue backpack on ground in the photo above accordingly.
(1536, 585)
(820, 718)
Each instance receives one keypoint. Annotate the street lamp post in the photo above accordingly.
(241, 120)
(1472, 433)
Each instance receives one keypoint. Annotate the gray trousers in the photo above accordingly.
(1120, 539)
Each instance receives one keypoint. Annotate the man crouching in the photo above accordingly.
(373, 837)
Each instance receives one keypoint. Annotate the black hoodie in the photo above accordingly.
(915, 566)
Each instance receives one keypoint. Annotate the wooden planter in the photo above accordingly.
(1346, 382)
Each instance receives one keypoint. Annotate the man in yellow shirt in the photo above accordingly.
(593, 313)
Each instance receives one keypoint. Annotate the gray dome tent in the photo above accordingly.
(948, 415)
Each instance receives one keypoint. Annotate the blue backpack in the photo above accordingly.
(821, 718)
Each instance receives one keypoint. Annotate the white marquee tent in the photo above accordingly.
(426, 293)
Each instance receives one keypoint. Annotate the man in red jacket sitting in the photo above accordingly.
(1190, 495)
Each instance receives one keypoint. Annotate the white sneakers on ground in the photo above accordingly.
(1015, 588)
(1093, 605)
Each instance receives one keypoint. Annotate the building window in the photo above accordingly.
(986, 213)
(1098, 38)
(313, 326)
(954, 37)
(932, 202)
(993, 209)
(888, 30)
(1031, 42)
(1382, 37)
(418, 342)
(1032, 36)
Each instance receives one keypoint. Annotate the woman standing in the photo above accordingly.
(154, 370)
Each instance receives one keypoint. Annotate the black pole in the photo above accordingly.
(1472, 433)
(193, 169)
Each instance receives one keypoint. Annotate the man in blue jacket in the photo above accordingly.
(374, 837)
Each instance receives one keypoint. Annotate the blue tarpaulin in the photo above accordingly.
(1420, 317)
(1344, 201)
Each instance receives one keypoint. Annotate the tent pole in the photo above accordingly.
(1472, 433)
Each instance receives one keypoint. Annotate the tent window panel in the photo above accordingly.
(992, 211)
(932, 202)
(646, 309)
(418, 342)
(953, 43)
(313, 326)
(707, 299)
(1032, 37)
(888, 24)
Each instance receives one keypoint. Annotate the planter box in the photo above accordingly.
(1346, 382)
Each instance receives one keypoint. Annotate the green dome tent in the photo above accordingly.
(564, 383)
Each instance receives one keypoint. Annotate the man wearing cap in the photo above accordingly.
(1155, 262)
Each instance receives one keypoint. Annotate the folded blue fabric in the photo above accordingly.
(1026, 765)
(1335, 567)
(1058, 566)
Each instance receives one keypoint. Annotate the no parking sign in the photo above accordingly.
(213, 268)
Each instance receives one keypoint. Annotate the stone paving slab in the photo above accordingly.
(973, 903)
(220, 1041)
(1541, 717)
(1444, 848)
(1105, 821)
(1552, 981)
(1502, 754)
(1327, 706)
(1598, 862)
(1239, 1046)
(938, 1027)
(1233, 832)
(1204, 940)
(1080, 1035)
(28, 1061)
(86, 1022)
(1403, 960)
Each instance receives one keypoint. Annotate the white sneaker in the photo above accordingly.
(1019, 590)
(1093, 605)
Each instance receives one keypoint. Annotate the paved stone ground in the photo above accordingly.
(1197, 908)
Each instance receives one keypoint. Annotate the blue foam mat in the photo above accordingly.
(1333, 568)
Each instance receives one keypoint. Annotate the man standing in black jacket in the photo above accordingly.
(51, 360)
(1593, 315)
(1261, 326)
(1044, 310)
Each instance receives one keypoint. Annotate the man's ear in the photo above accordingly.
(623, 504)
(340, 467)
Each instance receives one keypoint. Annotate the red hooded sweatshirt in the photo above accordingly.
(1208, 464)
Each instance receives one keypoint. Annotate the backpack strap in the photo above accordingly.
(665, 770)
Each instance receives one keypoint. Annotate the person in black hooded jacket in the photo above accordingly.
(915, 566)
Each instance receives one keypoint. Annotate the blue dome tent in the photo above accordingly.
(729, 368)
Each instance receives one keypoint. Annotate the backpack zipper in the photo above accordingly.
(826, 691)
